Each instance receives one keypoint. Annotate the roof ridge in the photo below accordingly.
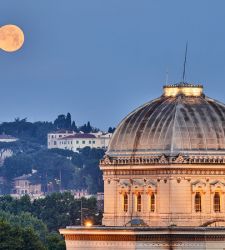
(177, 102)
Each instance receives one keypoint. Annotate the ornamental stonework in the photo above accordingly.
(163, 159)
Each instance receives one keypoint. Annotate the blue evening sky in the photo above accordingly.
(100, 59)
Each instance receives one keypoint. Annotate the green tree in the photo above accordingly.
(54, 168)
(55, 210)
(16, 238)
(10, 236)
(60, 122)
(31, 240)
(17, 165)
(68, 121)
(86, 128)
(26, 220)
(74, 127)
(111, 130)
(24, 204)
(33, 132)
(55, 242)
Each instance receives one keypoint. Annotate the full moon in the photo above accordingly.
(11, 38)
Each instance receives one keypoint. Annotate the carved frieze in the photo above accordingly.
(198, 186)
(217, 186)
(163, 159)
(165, 172)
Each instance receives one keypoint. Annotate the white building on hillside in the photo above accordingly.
(75, 141)
(54, 136)
(7, 138)
(5, 153)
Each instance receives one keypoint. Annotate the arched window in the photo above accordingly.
(139, 202)
(198, 202)
(152, 204)
(125, 202)
(216, 202)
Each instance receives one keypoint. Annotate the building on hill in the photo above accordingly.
(23, 186)
(5, 153)
(54, 136)
(75, 141)
(7, 138)
(80, 194)
(164, 177)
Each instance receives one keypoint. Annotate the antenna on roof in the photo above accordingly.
(167, 76)
(185, 60)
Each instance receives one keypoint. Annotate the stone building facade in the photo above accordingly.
(23, 186)
(164, 177)
(166, 162)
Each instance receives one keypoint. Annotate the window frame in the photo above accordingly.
(198, 202)
(152, 202)
(217, 202)
(139, 202)
(125, 202)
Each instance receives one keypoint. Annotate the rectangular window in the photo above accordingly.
(83, 142)
(198, 205)
(77, 142)
(89, 142)
(93, 142)
(139, 202)
(152, 205)
(216, 202)
(125, 203)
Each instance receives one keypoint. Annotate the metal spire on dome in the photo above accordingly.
(185, 60)
(167, 76)
(184, 88)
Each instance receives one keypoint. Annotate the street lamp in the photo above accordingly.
(87, 223)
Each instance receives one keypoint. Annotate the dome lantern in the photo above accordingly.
(185, 89)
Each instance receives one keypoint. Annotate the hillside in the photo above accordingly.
(54, 169)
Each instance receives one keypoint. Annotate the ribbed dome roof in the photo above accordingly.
(172, 124)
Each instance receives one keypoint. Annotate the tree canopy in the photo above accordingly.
(40, 220)
(56, 169)
(36, 132)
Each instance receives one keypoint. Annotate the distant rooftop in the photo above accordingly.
(78, 136)
(23, 177)
(4, 136)
(62, 131)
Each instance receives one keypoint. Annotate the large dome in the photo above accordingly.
(182, 121)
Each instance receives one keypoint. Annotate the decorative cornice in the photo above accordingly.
(166, 172)
(145, 237)
(162, 159)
